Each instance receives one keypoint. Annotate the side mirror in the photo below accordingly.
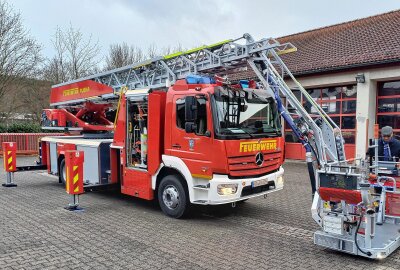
(190, 109)
(190, 127)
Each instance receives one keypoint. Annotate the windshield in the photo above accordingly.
(245, 113)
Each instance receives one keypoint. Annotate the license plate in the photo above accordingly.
(258, 183)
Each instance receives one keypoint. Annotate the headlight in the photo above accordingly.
(279, 181)
(227, 189)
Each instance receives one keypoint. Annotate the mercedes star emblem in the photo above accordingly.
(259, 159)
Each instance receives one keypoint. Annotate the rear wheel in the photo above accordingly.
(173, 197)
(63, 173)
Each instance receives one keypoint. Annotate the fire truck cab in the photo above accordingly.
(198, 142)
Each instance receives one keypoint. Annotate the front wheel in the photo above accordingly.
(173, 197)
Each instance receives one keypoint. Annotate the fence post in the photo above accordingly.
(9, 162)
(27, 142)
(74, 177)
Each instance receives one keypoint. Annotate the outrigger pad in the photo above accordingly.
(74, 208)
(9, 185)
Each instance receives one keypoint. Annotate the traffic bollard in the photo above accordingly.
(9, 162)
(74, 177)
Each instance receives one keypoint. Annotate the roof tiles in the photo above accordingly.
(367, 41)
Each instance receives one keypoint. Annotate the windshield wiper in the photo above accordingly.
(276, 132)
(248, 133)
(225, 131)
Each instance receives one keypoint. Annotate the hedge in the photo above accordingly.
(26, 127)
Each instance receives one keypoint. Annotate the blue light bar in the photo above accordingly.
(197, 79)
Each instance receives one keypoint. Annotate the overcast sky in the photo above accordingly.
(188, 22)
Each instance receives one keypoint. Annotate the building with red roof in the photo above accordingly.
(352, 69)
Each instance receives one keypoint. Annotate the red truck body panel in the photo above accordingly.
(78, 91)
(155, 130)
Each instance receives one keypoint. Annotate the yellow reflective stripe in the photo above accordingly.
(9, 160)
(208, 177)
(11, 168)
(67, 184)
(76, 178)
(8, 152)
(219, 43)
(145, 63)
(172, 55)
(195, 49)
(76, 189)
(122, 91)
(76, 174)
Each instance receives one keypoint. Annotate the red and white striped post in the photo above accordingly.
(74, 177)
(10, 162)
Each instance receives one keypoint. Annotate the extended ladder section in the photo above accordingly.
(318, 133)
(164, 70)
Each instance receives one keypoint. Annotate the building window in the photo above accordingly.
(339, 103)
(388, 106)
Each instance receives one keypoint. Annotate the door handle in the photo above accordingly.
(176, 145)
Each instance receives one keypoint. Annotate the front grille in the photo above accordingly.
(249, 190)
(242, 166)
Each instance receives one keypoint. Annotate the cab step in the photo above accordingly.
(203, 187)
(200, 202)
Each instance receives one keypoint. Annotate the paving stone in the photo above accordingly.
(119, 232)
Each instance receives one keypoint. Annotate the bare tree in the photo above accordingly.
(170, 49)
(19, 52)
(76, 56)
(152, 51)
(11, 104)
(120, 55)
(40, 90)
(24, 97)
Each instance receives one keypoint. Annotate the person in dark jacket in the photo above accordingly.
(388, 146)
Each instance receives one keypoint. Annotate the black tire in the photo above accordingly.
(173, 197)
(63, 172)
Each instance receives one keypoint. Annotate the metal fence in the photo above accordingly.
(27, 143)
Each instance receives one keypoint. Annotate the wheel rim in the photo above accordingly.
(171, 197)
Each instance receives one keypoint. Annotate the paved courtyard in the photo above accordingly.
(120, 232)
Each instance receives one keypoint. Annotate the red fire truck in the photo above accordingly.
(179, 137)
